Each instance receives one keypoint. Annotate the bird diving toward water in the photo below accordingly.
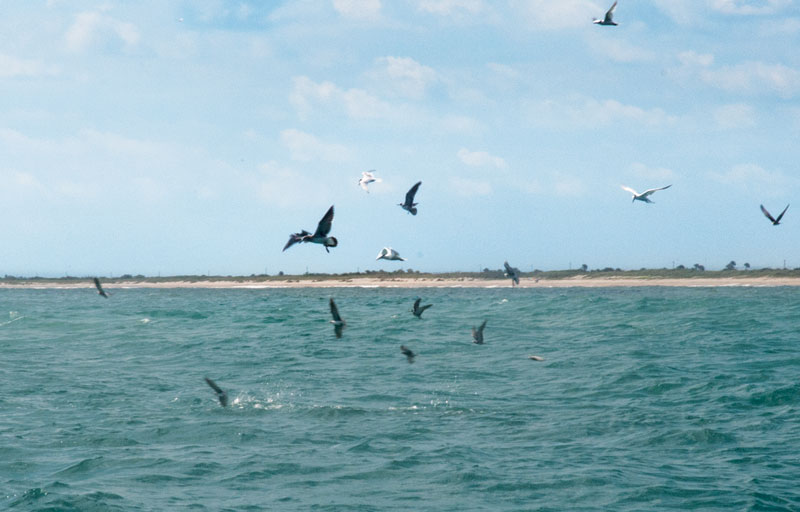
(408, 353)
(99, 287)
(609, 19)
(338, 323)
(366, 178)
(221, 395)
(418, 310)
(320, 236)
(775, 221)
(644, 196)
(512, 272)
(477, 334)
(409, 205)
(387, 253)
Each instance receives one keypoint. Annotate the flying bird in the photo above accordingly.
(409, 205)
(418, 310)
(408, 353)
(774, 221)
(338, 323)
(644, 196)
(221, 395)
(387, 253)
(609, 19)
(102, 292)
(477, 334)
(320, 236)
(512, 272)
(366, 178)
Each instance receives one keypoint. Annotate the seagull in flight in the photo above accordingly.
(409, 205)
(477, 334)
(775, 221)
(644, 196)
(338, 323)
(102, 292)
(609, 19)
(387, 253)
(366, 178)
(408, 353)
(418, 310)
(512, 272)
(320, 236)
(221, 395)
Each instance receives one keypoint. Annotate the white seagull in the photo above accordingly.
(644, 196)
(366, 178)
(387, 253)
(609, 19)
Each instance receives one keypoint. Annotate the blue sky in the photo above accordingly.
(192, 137)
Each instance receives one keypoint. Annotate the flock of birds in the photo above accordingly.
(320, 236)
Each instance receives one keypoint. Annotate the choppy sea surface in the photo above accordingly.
(648, 399)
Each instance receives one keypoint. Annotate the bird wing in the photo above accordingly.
(363, 183)
(295, 238)
(781, 215)
(650, 191)
(325, 223)
(335, 312)
(98, 285)
(416, 304)
(766, 213)
(610, 13)
(423, 308)
(214, 386)
(382, 254)
(507, 266)
(629, 189)
(480, 329)
(411, 193)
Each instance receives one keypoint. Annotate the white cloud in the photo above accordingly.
(11, 67)
(305, 147)
(468, 188)
(568, 186)
(447, 7)
(358, 103)
(550, 14)
(404, 76)
(640, 170)
(734, 116)
(587, 112)
(95, 27)
(746, 77)
(743, 7)
(360, 9)
(480, 159)
(285, 187)
(755, 179)
(618, 50)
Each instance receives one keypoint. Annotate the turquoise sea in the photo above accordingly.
(648, 399)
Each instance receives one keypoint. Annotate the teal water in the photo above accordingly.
(648, 399)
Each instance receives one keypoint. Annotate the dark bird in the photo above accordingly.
(774, 221)
(477, 334)
(512, 272)
(320, 236)
(409, 205)
(408, 353)
(609, 19)
(338, 323)
(100, 290)
(418, 310)
(221, 395)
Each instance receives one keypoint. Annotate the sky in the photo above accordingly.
(172, 137)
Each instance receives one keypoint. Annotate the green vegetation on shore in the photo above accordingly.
(486, 274)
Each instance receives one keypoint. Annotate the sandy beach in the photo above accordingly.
(410, 282)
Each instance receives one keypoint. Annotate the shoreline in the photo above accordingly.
(410, 282)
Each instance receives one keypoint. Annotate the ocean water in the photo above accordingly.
(648, 399)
